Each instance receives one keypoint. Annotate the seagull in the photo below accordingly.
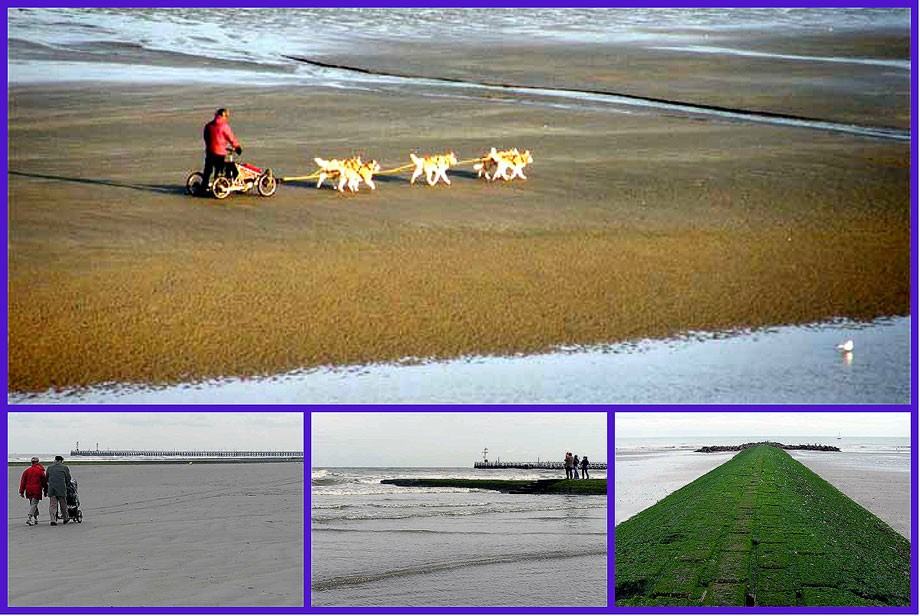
(846, 347)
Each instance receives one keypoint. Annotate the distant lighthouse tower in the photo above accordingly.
(485, 455)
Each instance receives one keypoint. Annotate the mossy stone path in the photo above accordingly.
(760, 530)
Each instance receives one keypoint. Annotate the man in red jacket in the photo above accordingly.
(217, 136)
(31, 486)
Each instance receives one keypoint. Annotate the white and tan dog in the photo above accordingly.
(357, 172)
(434, 167)
(349, 171)
(507, 164)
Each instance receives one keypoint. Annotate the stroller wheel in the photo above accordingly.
(79, 516)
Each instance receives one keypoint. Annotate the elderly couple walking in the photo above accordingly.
(52, 483)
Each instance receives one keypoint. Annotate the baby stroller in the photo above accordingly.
(73, 502)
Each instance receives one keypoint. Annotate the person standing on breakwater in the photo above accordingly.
(31, 486)
(58, 479)
(575, 463)
(568, 465)
(217, 136)
(584, 467)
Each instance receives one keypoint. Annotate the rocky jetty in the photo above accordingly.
(718, 448)
(760, 530)
(540, 486)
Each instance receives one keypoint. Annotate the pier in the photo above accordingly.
(188, 453)
(598, 466)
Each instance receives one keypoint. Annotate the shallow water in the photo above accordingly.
(383, 545)
(265, 35)
(201, 46)
(783, 365)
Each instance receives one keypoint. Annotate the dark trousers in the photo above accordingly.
(213, 163)
(584, 472)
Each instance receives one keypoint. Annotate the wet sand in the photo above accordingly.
(215, 535)
(643, 479)
(882, 489)
(631, 225)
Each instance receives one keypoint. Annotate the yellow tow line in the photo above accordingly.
(315, 174)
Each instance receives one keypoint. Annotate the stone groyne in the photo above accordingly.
(719, 448)
(511, 486)
(760, 530)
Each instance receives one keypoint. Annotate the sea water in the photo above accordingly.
(782, 365)
(376, 544)
(198, 44)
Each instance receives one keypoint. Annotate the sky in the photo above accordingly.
(454, 438)
(58, 432)
(766, 424)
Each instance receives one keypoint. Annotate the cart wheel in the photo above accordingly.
(221, 188)
(79, 517)
(267, 184)
(194, 183)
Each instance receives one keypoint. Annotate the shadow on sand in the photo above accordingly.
(156, 188)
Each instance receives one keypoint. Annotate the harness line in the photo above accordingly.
(315, 174)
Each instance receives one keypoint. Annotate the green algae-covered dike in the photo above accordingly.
(760, 530)
(562, 486)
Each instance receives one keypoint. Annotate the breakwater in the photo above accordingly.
(601, 466)
(760, 530)
(719, 448)
(511, 486)
(188, 453)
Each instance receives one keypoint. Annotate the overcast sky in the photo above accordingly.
(58, 432)
(766, 424)
(455, 438)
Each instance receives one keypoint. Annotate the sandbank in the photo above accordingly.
(885, 491)
(643, 479)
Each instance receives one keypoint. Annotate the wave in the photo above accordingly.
(327, 481)
(455, 513)
(426, 505)
(438, 567)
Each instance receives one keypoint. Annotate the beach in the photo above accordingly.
(634, 222)
(878, 482)
(376, 544)
(643, 479)
(208, 535)
(876, 477)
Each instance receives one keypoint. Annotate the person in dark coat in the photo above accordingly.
(58, 479)
(31, 486)
(584, 467)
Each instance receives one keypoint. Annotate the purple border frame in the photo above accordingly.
(611, 418)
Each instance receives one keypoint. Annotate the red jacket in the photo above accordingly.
(33, 481)
(217, 134)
